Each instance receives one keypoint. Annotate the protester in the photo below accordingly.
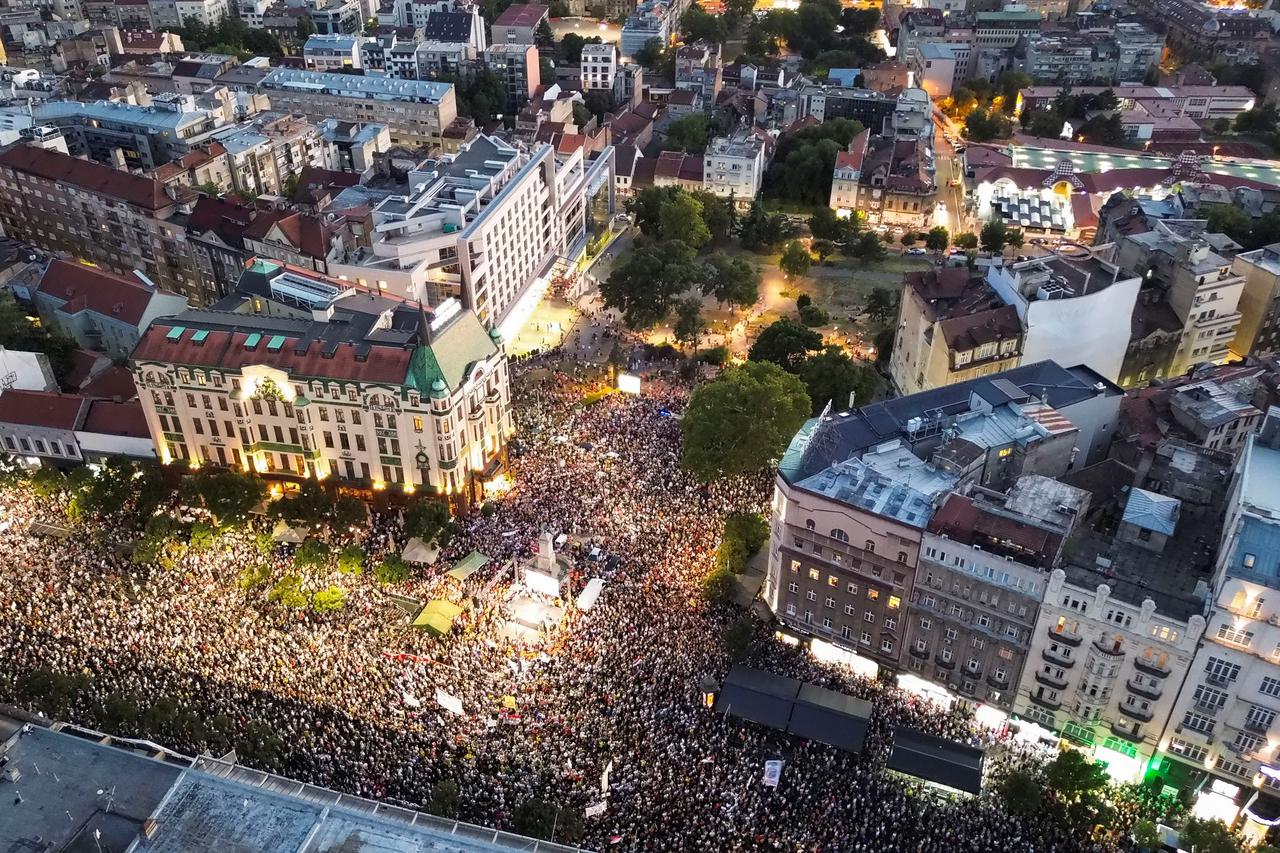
(351, 695)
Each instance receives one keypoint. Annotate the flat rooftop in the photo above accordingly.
(82, 792)
(355, 86)
(1196, 477)
(890, 481)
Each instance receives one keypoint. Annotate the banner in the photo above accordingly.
(604, 777)
(450, 703)
(772, 773)
(596, 809)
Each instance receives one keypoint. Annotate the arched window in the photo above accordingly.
(870, 546)
(839, 535)
(810, 524)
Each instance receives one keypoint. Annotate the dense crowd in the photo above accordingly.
(350, 696)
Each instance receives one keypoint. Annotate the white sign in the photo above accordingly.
(628, 383)
(772, 773)
(604, 777)
(596, 809)
(449, 702)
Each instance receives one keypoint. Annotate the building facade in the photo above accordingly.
(302, 376)
(733, 167)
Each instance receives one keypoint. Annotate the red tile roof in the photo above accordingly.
(41, 408)
(308, 234)
(146, 193)
(85, 364)
(225, 349)
(852, 157)
(110, 383)
(83, 288)
(225, 217)
(108, 417)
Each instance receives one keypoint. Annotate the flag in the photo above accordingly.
(772, 773)
(449, 702)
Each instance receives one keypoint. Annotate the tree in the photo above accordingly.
(543, 37)
(680, 218)
(392, 569)
(444, 798)
(1147, 836)
(805, 161)
(868, 248)
(717, 215)
(288, 593)
(329, 600)
(762, 232)
(882, 304)
(823, 249)
(428, 518)
(482, 97)
(310, 553)
(749, 528)
(1232, 221)
(306, 28)
(965, 240)
(647, 280)
(795, 260)
(1261, 119)
(571, 45)
(19, 333)
(1207, 836)
(994, 235)
(689, 323)
(1021, 793)
(909, 239)
(984, 125)
(581, 115)
(742, 420)
(599, 101)
(730, 280)
(825, 225)
(351, 560)
(813, 316)
(699, 25)
(1009, 84)
(1042, 122)
(785, 343)
(347, 512)
(1103, 129)
(937, 239)
(688, 133)
(653, 55)
(737, 638)
(227, 495)
(1014, 239)
(541, 819)
(831, 376)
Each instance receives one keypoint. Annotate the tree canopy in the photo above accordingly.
(688, 133)
(805, 160)
(646, 281)
(730, 280)
(742, 420)
(832, 376)
(795, 260)
(18, 333)
(227, 495)
(785, 343)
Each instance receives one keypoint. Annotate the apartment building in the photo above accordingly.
(119, 221)
(98, 310)
(297, 375)
(1074, 309)
(1198, 287)
(484, 226)
(733, 167)
(265, 154)
(42, 428)
(952, 327)
(1225, 717)
(1259, 305)
(519, 23)
(416, 112)
(698, 69)
(516, 65)
(1121, 617)
(1066, 59)
(856, 492)
(847, 176)
(1138, 50)
(599, 66)
(652, 19)
(337, 52)
(189, 12)
(984, 565)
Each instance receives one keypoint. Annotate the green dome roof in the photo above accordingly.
(439, 389)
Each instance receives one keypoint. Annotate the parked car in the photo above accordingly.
(914, 250)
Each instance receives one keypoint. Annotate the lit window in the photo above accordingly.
(894, 601)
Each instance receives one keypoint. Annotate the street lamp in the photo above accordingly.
(708, 690)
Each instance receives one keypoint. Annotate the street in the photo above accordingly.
(949, 168)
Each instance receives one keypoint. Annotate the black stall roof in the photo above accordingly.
(758, 696)
(936, 760)
(833, 718)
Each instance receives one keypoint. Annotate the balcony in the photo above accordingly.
(1050, 680)
(1133, 735)
(1054, 657)
(945, 664)
(1068, 637)
(1046, 702)
(1151, 667)
(1256, 726)
(1145, 690)
(1000, 681)
(1135, 712)
(918, 652)
(1107, 650)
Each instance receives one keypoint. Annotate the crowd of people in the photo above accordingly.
(613, 691)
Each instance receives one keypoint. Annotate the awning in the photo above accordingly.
(832, 718)
(437, 617)
(1263, 808)
(468, 566)
(758, 696)
(284, 533)
(937, 760)
(418, 551)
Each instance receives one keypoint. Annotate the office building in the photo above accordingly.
(300, 375)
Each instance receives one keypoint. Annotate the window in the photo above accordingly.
(839, 535)
(1186, 749)
(830, 602)
(951, 634)
(925, 624)
(811, 595)
(1270, 686)
(1230, 634)
(814, 574)
(832, 580)
(795, 565)
(1259, 717)
(793, 587)
(1198, 723)
(894, 602)
(1221, 670)
(852, 589)
(870, 546)
(865, 639)
(886, 646)
(791, 610)
(873, 594)
(1209, 698)
(869, 616)
(849, 610)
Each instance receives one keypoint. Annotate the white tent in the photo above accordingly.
(418, 551)
(285, 533)
(587, 598)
